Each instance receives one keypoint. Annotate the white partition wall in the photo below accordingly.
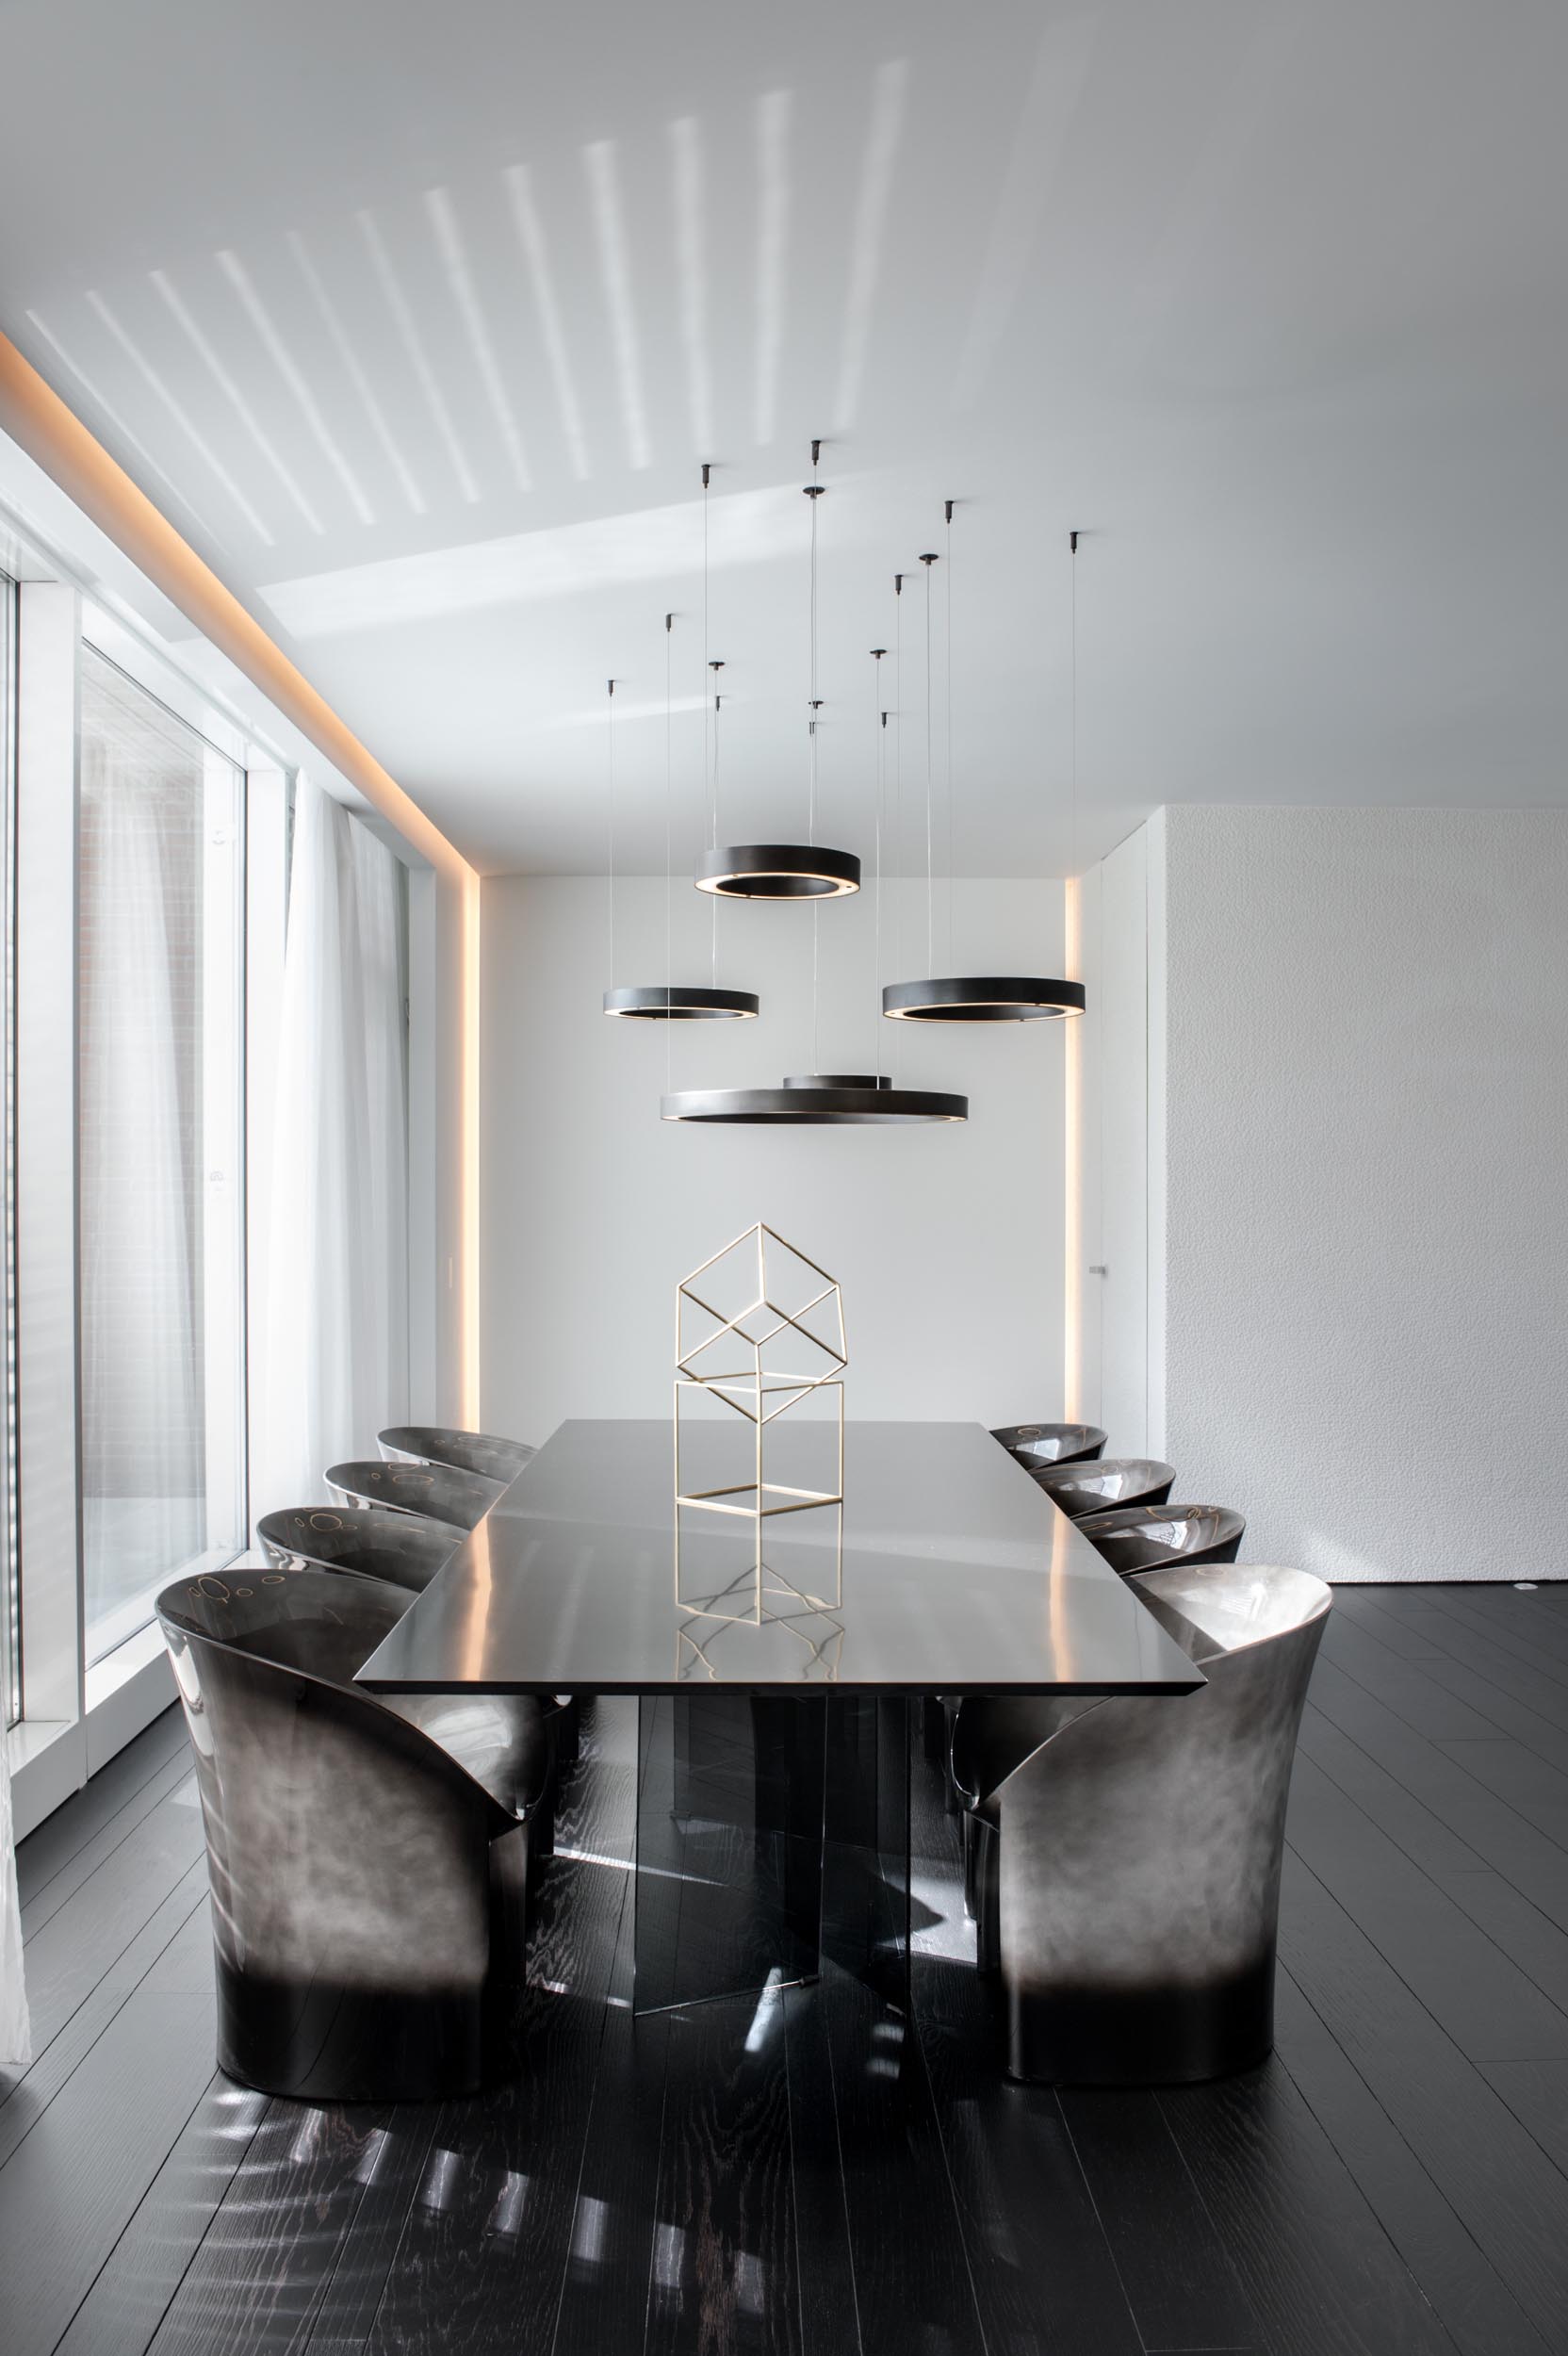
(1114, 1289)
(947, 1241)
(1357, 1302)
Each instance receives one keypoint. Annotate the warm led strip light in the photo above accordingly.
(33, 414)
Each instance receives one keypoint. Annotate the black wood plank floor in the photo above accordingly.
(811, 2173)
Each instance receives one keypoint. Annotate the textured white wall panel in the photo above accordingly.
(1366, 1132)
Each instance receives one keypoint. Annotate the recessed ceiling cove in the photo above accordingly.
(417, 323)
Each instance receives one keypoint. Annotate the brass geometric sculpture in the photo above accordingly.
(772, 1320)
(759, 1326)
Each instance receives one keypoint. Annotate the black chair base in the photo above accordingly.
(341, 2045)
(316, 2042)
(1166, 2036)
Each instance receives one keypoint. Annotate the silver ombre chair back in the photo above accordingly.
(1099, 1484)
(466, 1451)
(438, 1492)
(1035, 1443)
(1128, 1876)
(405, 1549)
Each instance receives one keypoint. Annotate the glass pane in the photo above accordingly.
(10, 1596)
(160, 1140)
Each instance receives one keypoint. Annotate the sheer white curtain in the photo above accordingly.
(336, 1359)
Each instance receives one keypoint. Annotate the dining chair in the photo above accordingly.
(439, 1491)
(368, 1857)
(1146, 1537)
(406, 1548)
(1092, 1487)
(1126, 1850)
(407, 1551)
(466, 1451)
(1035, 1443)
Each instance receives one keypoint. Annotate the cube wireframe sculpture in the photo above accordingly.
(792, 1310)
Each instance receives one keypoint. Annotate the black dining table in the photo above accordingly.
(778, 1662)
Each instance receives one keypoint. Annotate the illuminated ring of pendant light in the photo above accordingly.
(777, 870)
(818, 1100)
(983, 998)
(680, 1003)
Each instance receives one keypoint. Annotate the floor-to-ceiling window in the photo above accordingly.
(161, 1148)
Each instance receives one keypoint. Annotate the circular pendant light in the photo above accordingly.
(818, 1100)
(975, 997)
(669, 1001)
(786, 871)
(983, 998)
(681, 1002)
(777, 870)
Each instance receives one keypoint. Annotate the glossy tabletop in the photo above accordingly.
(946, 1569)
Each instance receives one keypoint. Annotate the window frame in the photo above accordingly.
(75, 1718)
(225, 1110)
(67, 594)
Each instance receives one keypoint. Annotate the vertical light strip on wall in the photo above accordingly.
(468, 1121)
(1073, 1175)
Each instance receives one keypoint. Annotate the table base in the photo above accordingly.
(771, 1831)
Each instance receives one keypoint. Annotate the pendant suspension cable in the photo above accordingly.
(813, 492)
(928, 561)
(713, 928)
(710, 790)
(951, 870)
(669, 843)
(1072, 675)
(900, 846)
(816, 994)
(880, 751)
(972, 997)
(789, 870)
(610, 806)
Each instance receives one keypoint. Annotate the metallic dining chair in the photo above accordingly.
(439, 1491)
(405, 1549)
(1092, 1487)
(435, 1444)
(368, 1856)
(1035, 1443)
(1146, 1537)
(1126, 1850)
(466, 1451)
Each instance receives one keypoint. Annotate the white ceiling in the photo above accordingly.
(417, 322)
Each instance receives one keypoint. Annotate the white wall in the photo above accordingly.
(947, 1241)
(1114, 1290)
(1364, 1123)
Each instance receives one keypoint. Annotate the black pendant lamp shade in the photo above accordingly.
(983, 998)
(680, 1003)
(819, 1100)
(972, 997)
(777, 870)
(666, 1001)
(786, 871)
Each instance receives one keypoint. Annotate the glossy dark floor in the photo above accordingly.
(806, 2177)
